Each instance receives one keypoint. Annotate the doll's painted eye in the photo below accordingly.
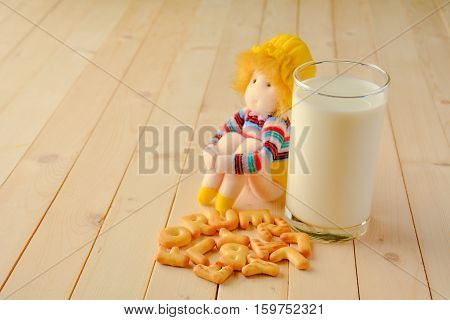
(268, 84)
(254, 81)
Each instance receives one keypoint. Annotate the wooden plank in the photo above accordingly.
(29, 56)
(433, 48)
(412, 112)
(36, 11)
(112, 270)
(444, 12)
(388, 258)
(428, 186)
(26, 113)
(280, 16)
(425, 163)
(331, 263)
(431, 39)
(320, 39)
(101, 165)
(53, 154)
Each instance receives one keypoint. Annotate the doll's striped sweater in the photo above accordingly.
(271, 130)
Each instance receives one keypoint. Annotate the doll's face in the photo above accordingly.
(260, 95)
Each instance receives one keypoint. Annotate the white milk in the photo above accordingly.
(340, 151)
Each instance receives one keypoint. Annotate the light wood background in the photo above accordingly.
(77, 80)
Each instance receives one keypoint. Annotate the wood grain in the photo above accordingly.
(113, 271)
(51, 157)
(27, 63)
(421, 142)
(444, 12)
(35, 11)
(433, 47)
(24, 115)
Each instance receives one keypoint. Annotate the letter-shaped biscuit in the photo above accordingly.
(234, 255)
(173, 258)
(263, 231)
(302, 240)
(230, 220)
(264, 249)
(197, 224)
(174, 237)
(213, 273)
(266, 230)
(197, 252)
(230, 237)
(259, 266)
(254, 217)
(281, 226)
(294, 257)
(252, 256)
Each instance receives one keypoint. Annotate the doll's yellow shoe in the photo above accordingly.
(205, 195)
(223, 203)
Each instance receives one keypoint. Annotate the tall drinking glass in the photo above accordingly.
(337, 118)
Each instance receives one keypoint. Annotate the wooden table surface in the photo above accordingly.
(80, 77)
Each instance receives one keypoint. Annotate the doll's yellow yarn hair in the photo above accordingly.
(277, 60)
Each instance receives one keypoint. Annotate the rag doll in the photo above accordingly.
(252, 146)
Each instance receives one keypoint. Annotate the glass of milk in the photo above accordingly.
(337, 118)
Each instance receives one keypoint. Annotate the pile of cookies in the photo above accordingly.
(237, 252)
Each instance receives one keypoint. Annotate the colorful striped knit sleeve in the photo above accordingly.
(233, 124)
(273, 135)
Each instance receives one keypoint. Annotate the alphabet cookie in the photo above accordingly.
(214, 273)
(197, 252)
(280, 227)
(254, 217)
(230, 220)
(267, 230)
(234, 255)
(198, 224)
(252, 256)
(264, 249)
(259, 266)
(263, 231)
(173, 258)
(230, 237)
(294, 257)
(174, 237)
(302, 240)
